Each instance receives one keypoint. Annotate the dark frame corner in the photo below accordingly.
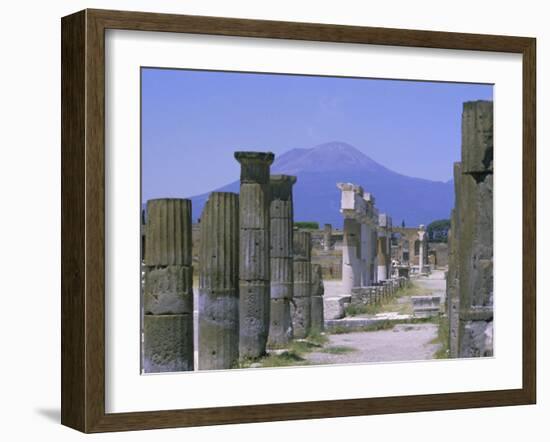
(83, 215)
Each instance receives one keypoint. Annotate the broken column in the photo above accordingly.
(301, 302)
(421, 239)
(281, 259)
(383, 247)
(317, 292)
(327, 237)
(168, 287)
(219, 282)
(475, 249)
(254, 262)
(351, 265)
(352, 208)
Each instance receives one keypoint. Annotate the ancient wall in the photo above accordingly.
(471, 294)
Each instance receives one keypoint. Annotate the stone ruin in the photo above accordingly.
(257, 286)
(168, 287)
(367, 274)
(409, 249)
(470, 274)
(360, 237)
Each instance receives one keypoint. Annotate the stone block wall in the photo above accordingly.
(470, 276)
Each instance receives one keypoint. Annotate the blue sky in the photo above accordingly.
(193, 121)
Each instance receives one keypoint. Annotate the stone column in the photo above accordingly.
(351, 269)
(219, 282)
(365, 245)
(475, 247)
(254, 263)
(453, 294)
(168, 287)
(373, 258)
(281, 214)
(382, 259)
(317, 292)
(421, 239)
(301, 303)
(327, 235)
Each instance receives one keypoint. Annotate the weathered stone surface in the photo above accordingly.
(453, 293)
(317, 286)
(254, 252)
(281, 238)
(364, 295)
(168, 233)
(476, 241)
(254, 206)
(477, 137)
(300, 311)
(282, 270)
(281, 209)
(317, 314)
(254, 307)
(334, 306)
(476, 339)
(470, 275)
(219, 282)
(317, 292)
(425, 306)
(168, 343)
(281, 251)
(302, 273)
(280, 327)
(302, 246)
(254, 166)
(352, 266)
(281, 195)
(168, 290)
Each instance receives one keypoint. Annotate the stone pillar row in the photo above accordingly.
(256, 281)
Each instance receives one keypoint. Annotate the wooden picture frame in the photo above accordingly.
(83, 220)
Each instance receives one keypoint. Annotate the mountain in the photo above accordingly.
(316, 197)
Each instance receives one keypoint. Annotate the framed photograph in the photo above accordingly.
(267, 221)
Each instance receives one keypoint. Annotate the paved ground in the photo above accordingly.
(405, 342)
(435, 282)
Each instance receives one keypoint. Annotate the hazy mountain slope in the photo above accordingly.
(316, 197)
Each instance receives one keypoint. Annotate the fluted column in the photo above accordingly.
(301, 303)
(281, 253)
(317, 292)
(168, 287)
(254, 262)
(219, 282)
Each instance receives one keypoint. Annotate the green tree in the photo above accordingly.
(306, 225)
(438, 230)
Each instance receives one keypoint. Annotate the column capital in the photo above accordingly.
(254, 166)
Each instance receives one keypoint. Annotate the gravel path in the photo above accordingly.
(405, 342)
